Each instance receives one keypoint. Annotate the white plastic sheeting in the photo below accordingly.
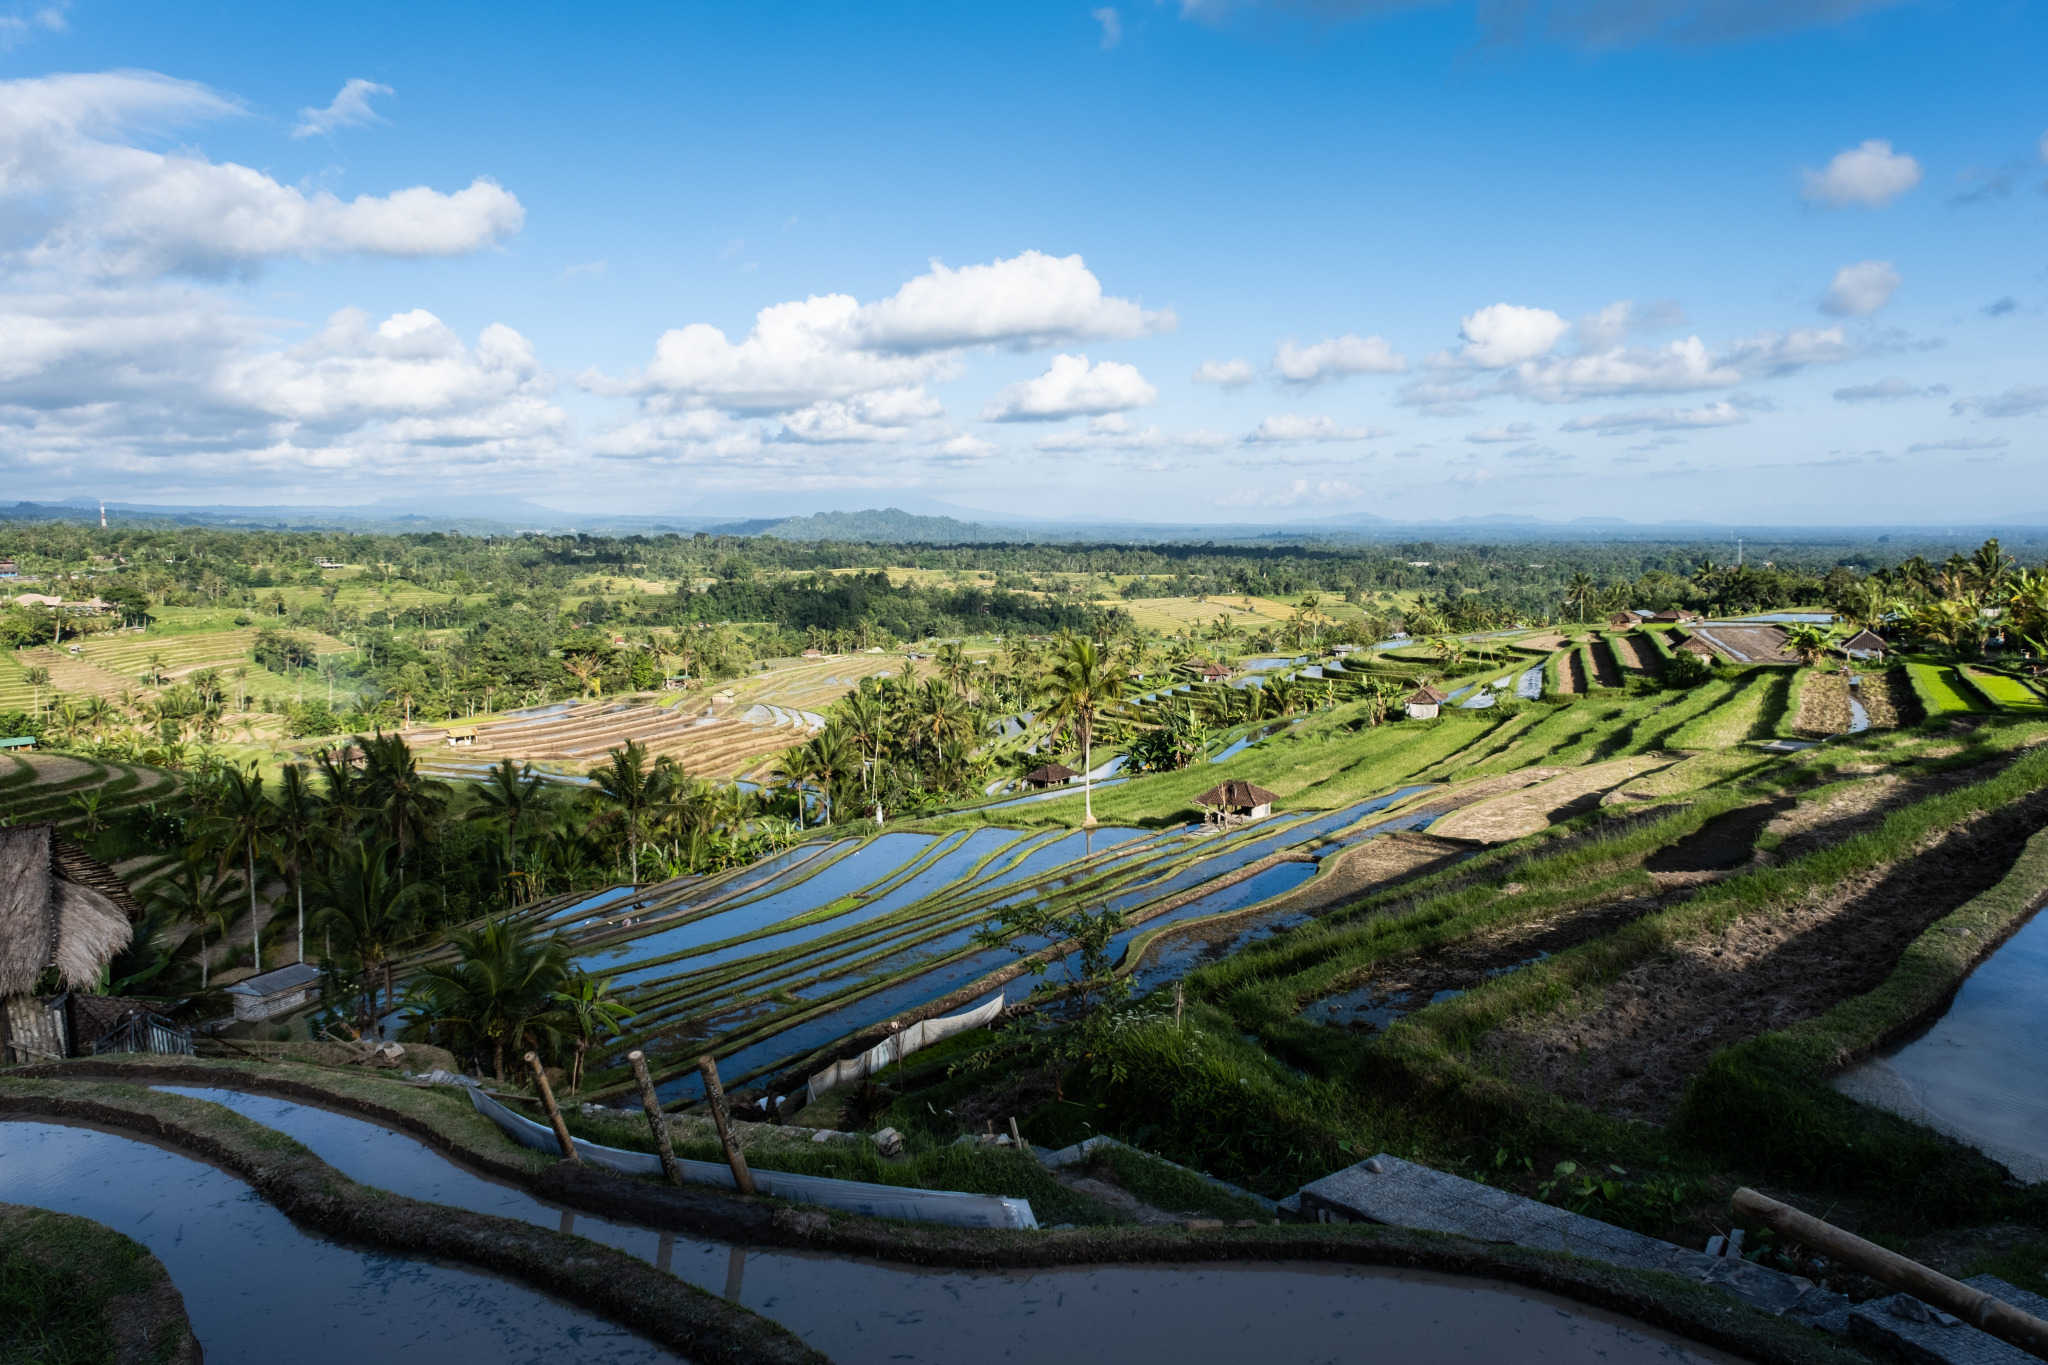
(904, 1042)
(951, 1207)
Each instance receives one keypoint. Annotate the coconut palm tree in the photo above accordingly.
(589, 1013)
(1579, 592)
(405, 802)
(367, 912)
(237, 829)
(510, 797)
(1079, 683)
(37, 677)
(296, 835)
(632, 786)
(501, 992)
(193, 894)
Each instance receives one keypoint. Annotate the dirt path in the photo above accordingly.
(1655, 1027)
(1544, 804)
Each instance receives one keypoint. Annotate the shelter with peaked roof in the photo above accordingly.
(1864, 644)
(274, 993)
(1624, 620)
(1426, 703)
(1050, 775)
(1236, 800)
(1677, 615)
(1215, 673)
(59, 908)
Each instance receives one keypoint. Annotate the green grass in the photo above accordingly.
(58, 1276)
(1939, 690)
(2006, 693)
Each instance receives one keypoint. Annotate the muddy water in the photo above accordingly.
(859, 1312)
(259, 1291)
(1981, 1073)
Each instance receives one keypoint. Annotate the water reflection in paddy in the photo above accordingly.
(859, 1311)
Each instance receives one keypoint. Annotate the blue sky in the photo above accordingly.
(1208, 260)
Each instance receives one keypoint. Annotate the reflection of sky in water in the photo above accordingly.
(860, 1312)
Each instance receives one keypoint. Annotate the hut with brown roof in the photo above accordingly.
(1864, 644)
(1215, 673)
(61, 909)
(1624, 620)
(1426, 703)
(1236, 800)
(1051, 775)
(1674, 614)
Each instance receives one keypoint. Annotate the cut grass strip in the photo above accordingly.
(1938, 691)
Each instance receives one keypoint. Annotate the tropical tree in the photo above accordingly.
(405, 803)
(38, 678)
(237, 829)
(1579, 592)
(511, 797)
(368, 912)
(502, 991)
(590, 1013)
(193, 893)
(1079, 684)
(1809, 642)
(296, 836)
(631, 786)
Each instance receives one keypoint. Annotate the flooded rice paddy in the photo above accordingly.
(259, 1290)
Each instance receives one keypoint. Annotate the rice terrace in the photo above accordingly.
(1240, 682)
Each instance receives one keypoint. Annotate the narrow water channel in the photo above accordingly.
(865, 1312)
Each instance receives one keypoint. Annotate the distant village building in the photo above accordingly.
(9, 569)
(1235, 800)
(323, 562)
(1677, 616)
(284, 991)
(1215, 673)
(1051, 775)
(1426, 703)
(1624, 620)
(461, 736)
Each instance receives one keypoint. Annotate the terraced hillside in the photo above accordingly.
(49, 786)
(580, 734)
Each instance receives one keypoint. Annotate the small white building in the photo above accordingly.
(1426, 703)
(284, 991)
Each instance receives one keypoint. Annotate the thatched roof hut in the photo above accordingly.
(1237, 797)
(1051, 775)
(59, 908)
(1864, 643)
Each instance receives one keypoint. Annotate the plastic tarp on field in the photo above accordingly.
(951, 1207)
(904, 1042)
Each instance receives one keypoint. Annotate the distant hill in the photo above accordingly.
(888, 525)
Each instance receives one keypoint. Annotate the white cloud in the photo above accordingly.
(1960, 443)
(1345, 355)
(1768, 354)
(1112, 26)
(1508, 334)
(1294, 494)
(87, 203)
(588, 270)
(1225, 374)
(2027, 400)
(832, 347)
(1115, 432)
(1070, 387)
(1677, 367)
(1029, 300)
(18, 27)
(1860, 289)
(1291, 428)
(1888, 391)
(1610, 326)
(885, 415)
(1513, 431)
(1869, 176)
(964, 448)
(1659, 419)
(349, 109)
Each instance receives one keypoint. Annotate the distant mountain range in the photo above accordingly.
(940, 523)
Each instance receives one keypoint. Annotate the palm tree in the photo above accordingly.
(630, 785)
(239, 827)
(296, 834)
(1579, 592)
(1079, 684)
(500, 992)
(366, 909)
(591, 1013)
(37, 677)
(407, 803)
(584, 668)
(866, 725)
(190, 893)
(511, 797)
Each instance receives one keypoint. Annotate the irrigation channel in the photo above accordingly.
(259, 1291)
(1980, 1073)
(767, 965)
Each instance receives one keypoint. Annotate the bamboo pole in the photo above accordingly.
(715, 1093)
(655, 1119)
(1973, 1306)
(547, 1101)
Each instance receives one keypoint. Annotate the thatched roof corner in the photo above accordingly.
(56, 910)
(1236, 795)
(1865, 642)
(1050, 775)
(1428, 696)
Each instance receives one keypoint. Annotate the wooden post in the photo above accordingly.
(1179, 997)
(1017, 1142)
(1973, 1306)
(547, 1101)
(656, 1120)
(715, 1093)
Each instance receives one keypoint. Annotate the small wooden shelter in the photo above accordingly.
(1694, 644)
(1865, 644)
(1624, 620)
(1676, 615)
(1215, 673)
(1236, 800)
(1051, 775)
(283, 991)
(1426, 703)
(59, 908)
(461, 736)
